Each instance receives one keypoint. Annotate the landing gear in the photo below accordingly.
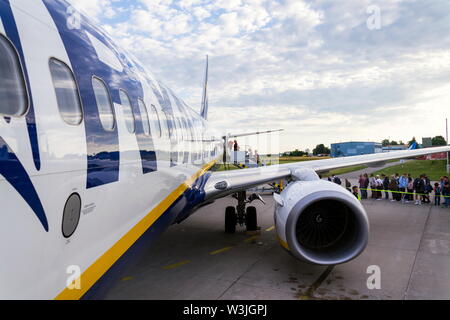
(230, 220)
(242, 215)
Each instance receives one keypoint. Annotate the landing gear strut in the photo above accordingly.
(241, 214)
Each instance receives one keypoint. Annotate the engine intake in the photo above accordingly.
(321, 222)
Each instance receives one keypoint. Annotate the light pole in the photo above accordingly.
(446, 132)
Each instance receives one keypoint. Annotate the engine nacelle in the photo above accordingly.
(320, 222)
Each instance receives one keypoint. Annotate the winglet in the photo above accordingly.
(205, 100)
(413, 146)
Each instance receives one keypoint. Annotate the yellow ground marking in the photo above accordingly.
(107, 260)
(251, 239)
(220, 251)
(270, 229)
(177, 265)
(127, 279)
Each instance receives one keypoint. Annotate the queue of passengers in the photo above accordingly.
(405, 188)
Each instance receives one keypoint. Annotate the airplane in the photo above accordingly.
(98, 158)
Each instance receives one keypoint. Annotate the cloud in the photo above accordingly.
(311, 67)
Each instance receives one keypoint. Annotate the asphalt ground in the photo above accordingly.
(409, 245)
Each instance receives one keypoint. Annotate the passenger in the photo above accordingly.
(410, 189)
(363, 185)
(373, 186)
(437, 194)
(419, 189)
(393, 186)
(356, 192)
(379, 188)
(402, 186)
(230, 145)
(348, 185)
(428, 190)
(386, 186)
(446, 193)
(258, 158)
(236, 149)
(336, 180)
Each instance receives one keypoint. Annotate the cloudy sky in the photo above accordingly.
(325, 71)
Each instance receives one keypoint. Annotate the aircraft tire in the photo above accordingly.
(251, 219)
(230, 220)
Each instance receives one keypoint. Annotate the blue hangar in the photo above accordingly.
(348, 149)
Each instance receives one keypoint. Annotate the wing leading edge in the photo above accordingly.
(222, 184)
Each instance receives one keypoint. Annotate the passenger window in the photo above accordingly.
(144, 117)
(13, 93)
(66, 92)
(127, 111)
(104, 104)
(154, 118)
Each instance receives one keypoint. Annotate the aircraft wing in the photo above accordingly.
(225, 183)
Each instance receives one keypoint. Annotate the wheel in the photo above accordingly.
(230, 220)
(251, 219)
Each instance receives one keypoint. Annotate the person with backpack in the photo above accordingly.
(446, 193)
(363, 185)
(336, 180)
(379, 188)
(410, 189)
(373, 186)
(419, 189)
(393, 187)
(386, 182)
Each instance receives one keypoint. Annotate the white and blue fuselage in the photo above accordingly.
(135, 171)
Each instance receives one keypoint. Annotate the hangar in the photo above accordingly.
(348, 149)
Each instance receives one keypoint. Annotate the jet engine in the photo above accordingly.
(320, 222)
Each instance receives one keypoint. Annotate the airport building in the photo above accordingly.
(349, 149)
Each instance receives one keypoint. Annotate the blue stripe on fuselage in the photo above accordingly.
(14, 172)
(102, 145)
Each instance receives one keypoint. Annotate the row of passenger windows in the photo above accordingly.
(14, 99)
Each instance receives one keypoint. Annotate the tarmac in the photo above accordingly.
(196, 260)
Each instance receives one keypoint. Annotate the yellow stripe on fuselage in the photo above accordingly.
(107, 260)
